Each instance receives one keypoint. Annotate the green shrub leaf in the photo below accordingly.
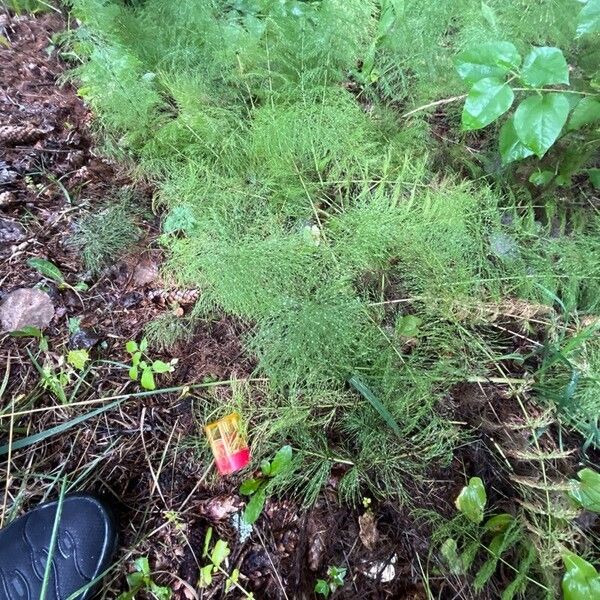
(589, 18)
(250, 486)
(147, 379)
(322, 588)
(490, 59)
(255, 506)
(581, 580)
(511, 147)
(282, 461)
(587, 112)
(586, 491)
(488, 99)
(205, 576)
(158, 366)
(131, 346)
(545, 66)
(539, 120)
(47, 269)
(472, 500)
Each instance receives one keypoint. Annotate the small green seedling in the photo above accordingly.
(217, 557)
(472, 500)
(141, 581)
(142, 369)
(408, 325)
(257, 488)
(335, 580)
(51, 271)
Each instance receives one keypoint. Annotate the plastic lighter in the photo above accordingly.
(228, 445)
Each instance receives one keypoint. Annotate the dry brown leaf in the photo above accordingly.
(369, 535)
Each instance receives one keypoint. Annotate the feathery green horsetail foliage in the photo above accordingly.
(310, 211)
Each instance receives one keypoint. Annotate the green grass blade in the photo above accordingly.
(43, 435)
(366, 393)
(53, 537)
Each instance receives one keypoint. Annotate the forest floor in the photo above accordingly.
(141, 453)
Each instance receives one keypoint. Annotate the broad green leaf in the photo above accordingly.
(322, 588)
(581, 580)
(144, 345)
(281, 461)
(589, 18)
(136, 580)
(586, 491)
(545, 66)
(498, 523)
(131, 346)
(265, 467)
(250, 486)
(594, 175)
(472, 500)
(511, 147)
(255, 506)
(488, 99)
(539, 120)
(540, 177)
(587, 112)
(147, 380)
(47, 269)
(158, 366)
(490, 59)
(205, 576)
(78, 358)
(220, 553)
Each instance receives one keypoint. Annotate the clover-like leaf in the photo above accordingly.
(539, 120)
(545, 66)
(472, 500)
(490, 59)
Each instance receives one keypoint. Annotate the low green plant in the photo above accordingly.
(143, 368)
(49, 270)
(105, 235)
(258, 488)
(166, 331)
(334, 581)
(141, 581)
(217, 556)
(581, 580)
(496, 73)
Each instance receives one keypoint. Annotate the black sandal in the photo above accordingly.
(85, 544)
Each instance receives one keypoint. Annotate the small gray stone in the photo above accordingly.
(11, 232)
(26, 307)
